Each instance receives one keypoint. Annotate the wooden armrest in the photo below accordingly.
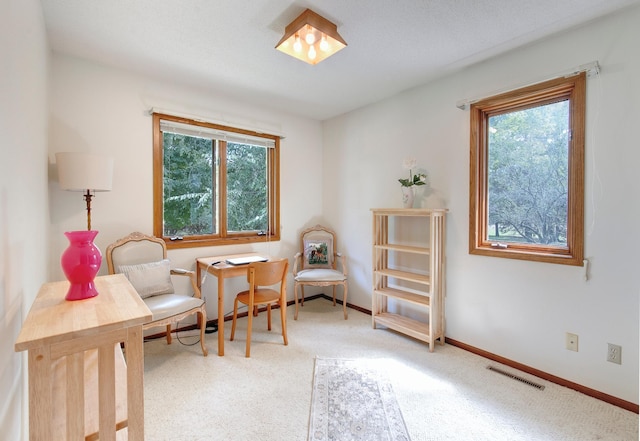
(296, 258)
(343, 262)
(192, 276)
(181, 272)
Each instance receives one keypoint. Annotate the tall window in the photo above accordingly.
(213, 184)
(527, 173)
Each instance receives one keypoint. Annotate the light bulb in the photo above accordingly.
(324, 44)
(310, 38)
(297, 45)
(312, 53)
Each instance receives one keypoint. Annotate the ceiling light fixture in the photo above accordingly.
(311, 38)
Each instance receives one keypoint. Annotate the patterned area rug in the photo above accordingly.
(353, 400)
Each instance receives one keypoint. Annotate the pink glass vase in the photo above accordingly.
(80, 263)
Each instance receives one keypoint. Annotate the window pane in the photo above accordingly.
(247, 184)
(528, 160)
(187, 185)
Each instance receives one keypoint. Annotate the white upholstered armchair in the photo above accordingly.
(317, 264)
(143, 260)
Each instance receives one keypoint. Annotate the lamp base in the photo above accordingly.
(80, 263)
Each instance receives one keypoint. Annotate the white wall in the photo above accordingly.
(102, 110)
(519, 310)
(24, 211)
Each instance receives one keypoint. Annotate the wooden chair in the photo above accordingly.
(317, 264)
(259, 276)
(143, 259)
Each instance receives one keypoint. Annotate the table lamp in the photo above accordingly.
(82, 259)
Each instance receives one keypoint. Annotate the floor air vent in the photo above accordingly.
(515, 377)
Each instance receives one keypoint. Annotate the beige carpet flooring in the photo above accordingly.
(445, 395)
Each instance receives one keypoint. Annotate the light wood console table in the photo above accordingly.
(76, 368)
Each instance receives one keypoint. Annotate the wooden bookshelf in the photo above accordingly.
(428, 298)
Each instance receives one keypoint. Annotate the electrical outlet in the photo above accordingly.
(571, 341)
(614, 353)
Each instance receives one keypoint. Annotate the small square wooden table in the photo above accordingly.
(218, 266)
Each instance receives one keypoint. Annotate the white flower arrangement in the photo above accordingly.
(418, 179)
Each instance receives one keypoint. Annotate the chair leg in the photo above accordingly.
(203, 324)
(235, 317)
(283, 318)
(249, 326)
(344, 300)
(295, 300)
(169, 334)
(269, 316)
(334, 295)
(302, 298)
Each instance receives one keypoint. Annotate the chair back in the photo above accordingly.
(267, 273)
(134, 249)
(317, 245)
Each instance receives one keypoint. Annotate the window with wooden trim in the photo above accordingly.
(213, 184)
(527, 173)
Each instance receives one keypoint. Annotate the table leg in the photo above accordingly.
(199, 285)
(107, 392)
(198, 276)
(135, 383)
(40, 401)
(220, 315)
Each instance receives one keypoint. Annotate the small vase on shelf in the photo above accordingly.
(407, 196)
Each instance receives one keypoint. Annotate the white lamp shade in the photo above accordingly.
(84, 171)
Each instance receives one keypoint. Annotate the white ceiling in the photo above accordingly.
(227, 46)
